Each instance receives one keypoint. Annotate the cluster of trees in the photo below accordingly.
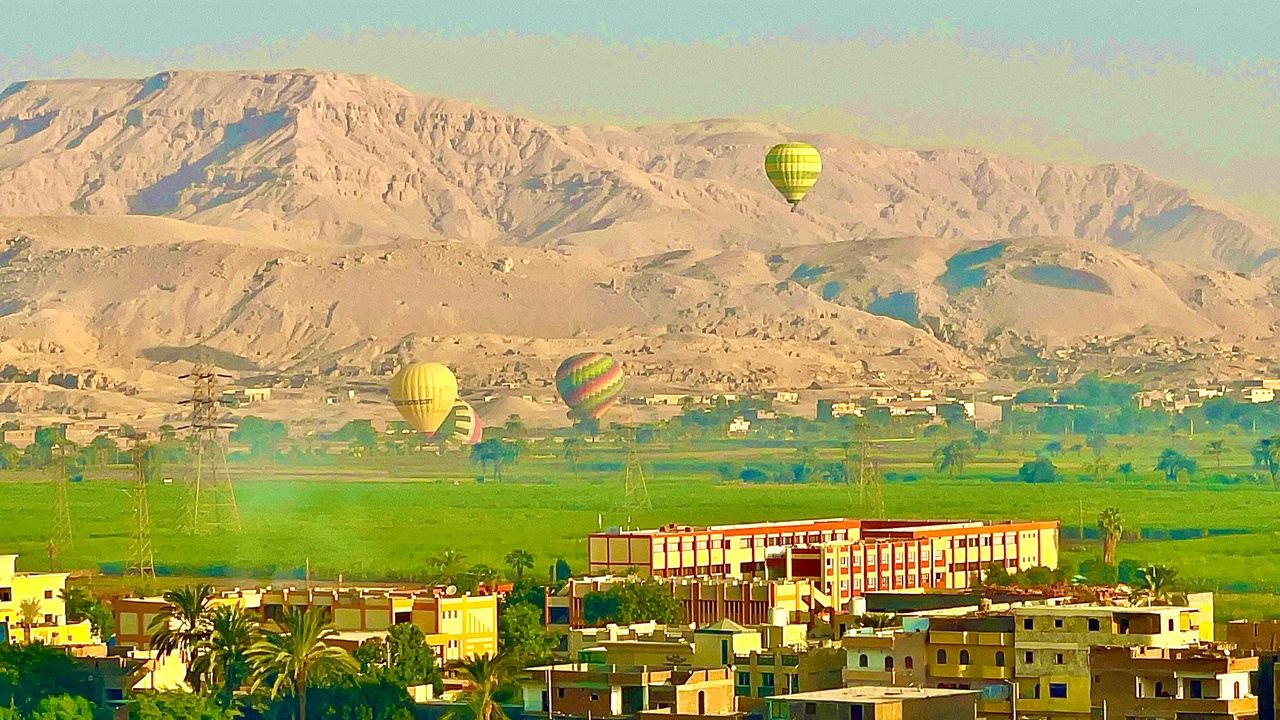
(632, 602)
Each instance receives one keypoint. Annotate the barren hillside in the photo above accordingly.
(329, 225)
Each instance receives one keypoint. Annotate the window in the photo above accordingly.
(888, 662)
(48, 594)
(793, 683)
(6, 594)
(1238, 695)
(1028, 657)
(1058, 659)
(810, 708)
(595, 697)
(744, 679)
(1170, 624)
(862, 660)
(1094, 625)
(964, 657)
(560, 692)
(1057, 690)
(908, 662)
(942, 657)
(1028, 624)
(1035, 691)
(999, 658)
(1159, 689)
(1057, 622)
(1196, 689)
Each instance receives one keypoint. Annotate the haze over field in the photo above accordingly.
(304, 221)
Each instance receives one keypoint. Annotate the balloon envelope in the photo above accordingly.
(793, 168)
(424, 393)
(463, 426)
(589, 383)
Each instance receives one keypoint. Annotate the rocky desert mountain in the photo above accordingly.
(332, 225)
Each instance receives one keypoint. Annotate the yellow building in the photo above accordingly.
(43, 594)
(1052, 646)
(974, 653)
(456, 626)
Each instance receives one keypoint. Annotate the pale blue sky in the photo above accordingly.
(1190, 90)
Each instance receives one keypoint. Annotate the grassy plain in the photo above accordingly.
(382, 518)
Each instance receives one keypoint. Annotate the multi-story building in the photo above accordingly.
(1052, 646)
(578, 690)
(1160, 683)
(975, 652)
(843, 558)
(780, 668)
(1261, 639)
(891, 657)
(875, 703)
(33, 609)
(456, 626)
(704, 600)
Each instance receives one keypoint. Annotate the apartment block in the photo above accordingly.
(1158, 683)
(843, 558)
(1052, 647)
(875, 703)
(456, 626)
(42, 594)
(579, 690)
(747, 602)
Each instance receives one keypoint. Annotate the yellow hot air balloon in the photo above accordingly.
(424, 393)
(793, 168)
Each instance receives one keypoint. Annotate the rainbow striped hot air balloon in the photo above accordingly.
(462, 427)
(589, 383)
(424, 394)
(793, 168)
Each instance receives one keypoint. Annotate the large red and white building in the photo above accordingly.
(842, 557)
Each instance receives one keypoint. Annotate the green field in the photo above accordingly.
(382, 518)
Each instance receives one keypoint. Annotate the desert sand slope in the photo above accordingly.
(345, 158)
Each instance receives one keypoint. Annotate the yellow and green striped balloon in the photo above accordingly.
(793, 168)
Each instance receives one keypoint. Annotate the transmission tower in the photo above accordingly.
(212, 502)
(142, 561)
(62, 536)
(635, 487)
(861, 472)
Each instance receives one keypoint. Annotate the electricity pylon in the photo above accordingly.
(635, 486)
(861, 471)
(62, 536)
(142, 561)
(212, 503)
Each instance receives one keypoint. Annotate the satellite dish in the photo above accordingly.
(451, 590)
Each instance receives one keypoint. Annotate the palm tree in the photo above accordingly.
(875, 621)
(1157, 583)
(183, 625)
(485, 676)
(1216, 448)
(519, 561)
(572, 453)
(953, 457)
(222, 657)
(1112, 526)
(448, 567)
(1267, 454)
(28, 616)
(298, 656)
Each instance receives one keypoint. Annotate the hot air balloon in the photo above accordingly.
(589, 383)
(463, 426)
(424, 393)
(793, 168)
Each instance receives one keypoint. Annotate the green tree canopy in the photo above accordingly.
(521, 633)
(632, 602)
(262, 436)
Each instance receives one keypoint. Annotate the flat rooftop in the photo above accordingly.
(871, 528)
(869, 694)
